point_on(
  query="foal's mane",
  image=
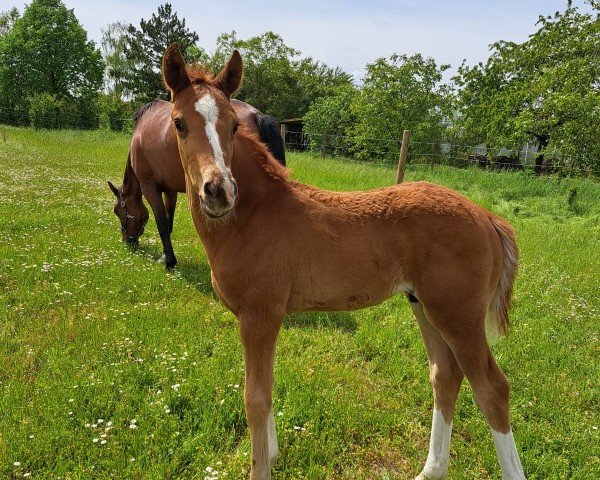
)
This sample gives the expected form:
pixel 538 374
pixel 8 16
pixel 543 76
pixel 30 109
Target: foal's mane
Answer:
pixel 199 74
pixel 261 154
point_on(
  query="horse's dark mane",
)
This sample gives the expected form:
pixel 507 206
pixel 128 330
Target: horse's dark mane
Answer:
pixel 262 155
pixel 142 110
pixel 268 131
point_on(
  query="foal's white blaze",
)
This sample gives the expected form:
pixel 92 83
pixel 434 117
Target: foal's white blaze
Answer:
pixel 207 107
pixel 508 456
pixel 436 465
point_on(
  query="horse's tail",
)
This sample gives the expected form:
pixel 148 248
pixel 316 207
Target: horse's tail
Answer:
pixel 497 322
pixel 268 131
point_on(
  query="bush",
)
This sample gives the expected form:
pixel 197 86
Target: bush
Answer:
pixel 44 111
pixel 85 112
pixel 47 111
pixel 328 120
pixel 402 93
pixel 115 113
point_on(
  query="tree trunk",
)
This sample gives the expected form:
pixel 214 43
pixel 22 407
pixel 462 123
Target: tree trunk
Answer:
pixel 542 144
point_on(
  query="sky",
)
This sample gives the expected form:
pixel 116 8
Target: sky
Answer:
pixel 348 34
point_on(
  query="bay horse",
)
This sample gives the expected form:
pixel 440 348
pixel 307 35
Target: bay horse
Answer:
pixel 154 169
pixel 277 246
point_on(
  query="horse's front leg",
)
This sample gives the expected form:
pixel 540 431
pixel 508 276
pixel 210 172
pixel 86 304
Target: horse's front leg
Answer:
pixel 259 335
pixel 170 204
pixel 154 197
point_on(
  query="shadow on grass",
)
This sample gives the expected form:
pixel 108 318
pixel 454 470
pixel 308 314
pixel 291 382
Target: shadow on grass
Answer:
pixel 198 274
pixel 195 273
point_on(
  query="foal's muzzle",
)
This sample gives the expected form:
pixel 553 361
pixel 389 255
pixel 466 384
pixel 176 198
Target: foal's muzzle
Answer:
pixel 218 195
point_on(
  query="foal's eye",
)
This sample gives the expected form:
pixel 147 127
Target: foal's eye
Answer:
pixel 178 125
pixel 235 127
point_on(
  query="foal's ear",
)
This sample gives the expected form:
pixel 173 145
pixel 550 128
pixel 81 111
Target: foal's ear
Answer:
pixel 229 79
pixel 114 189
pixel 174 73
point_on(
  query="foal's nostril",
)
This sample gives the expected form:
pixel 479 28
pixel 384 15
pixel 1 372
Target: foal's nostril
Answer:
pixel 210 190
pixel 235 188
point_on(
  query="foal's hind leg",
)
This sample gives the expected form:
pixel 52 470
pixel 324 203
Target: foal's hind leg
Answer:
pixel 465 334
pixel 154 197
pixel 445 376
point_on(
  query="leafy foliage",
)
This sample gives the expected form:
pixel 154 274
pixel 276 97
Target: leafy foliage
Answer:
pixel 114 38
pixel 329 119
pixel 144 49
pixel 274 81
pixel 402 93
pixel 545 89
pixel 7 20
pixel 44 110
pixel 115 113
pixel 46 51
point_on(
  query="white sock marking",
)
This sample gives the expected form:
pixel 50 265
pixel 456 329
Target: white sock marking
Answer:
pixel 436 465
pixel 207 107
pixel 508 456
pixel 272 434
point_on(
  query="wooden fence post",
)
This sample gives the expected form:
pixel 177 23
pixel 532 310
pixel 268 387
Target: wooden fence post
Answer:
pixel 283 131
pixel 403 156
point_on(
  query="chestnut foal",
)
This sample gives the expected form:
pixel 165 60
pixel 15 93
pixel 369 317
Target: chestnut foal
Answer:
pixel 289 247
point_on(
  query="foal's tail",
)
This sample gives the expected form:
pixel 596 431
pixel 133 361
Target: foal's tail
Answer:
pixel 268 131
pixel 497 322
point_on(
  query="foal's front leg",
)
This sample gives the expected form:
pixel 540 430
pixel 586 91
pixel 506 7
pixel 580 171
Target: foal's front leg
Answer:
pixel 259 335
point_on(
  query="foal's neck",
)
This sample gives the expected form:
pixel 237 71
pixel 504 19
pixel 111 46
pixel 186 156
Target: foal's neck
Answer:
pixel 262 186
pixel 259 176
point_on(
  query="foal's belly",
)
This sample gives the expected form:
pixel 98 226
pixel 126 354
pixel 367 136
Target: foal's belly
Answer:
pixel 342 294
pixel 353 301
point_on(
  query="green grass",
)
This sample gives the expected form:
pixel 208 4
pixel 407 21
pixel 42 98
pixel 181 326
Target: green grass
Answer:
pixel 93 333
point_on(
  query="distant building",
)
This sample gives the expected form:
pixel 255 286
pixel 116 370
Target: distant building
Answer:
pixel 293 135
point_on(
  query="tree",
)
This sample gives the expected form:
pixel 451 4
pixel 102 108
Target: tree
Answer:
pixel 145 47
pixel 316 80
pixel 268 74
pixel 114 37
pixel 7 20
pixel 275 81
pixel 47 51
pixel 544 90
pixel 400 93
pixel 329 119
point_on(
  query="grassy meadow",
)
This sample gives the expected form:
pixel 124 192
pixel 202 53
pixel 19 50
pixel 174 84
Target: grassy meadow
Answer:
pixel 112 368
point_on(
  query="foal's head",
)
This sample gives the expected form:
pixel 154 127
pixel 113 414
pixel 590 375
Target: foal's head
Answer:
pixel 205 124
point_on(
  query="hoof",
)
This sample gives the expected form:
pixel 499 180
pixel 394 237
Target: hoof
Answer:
pixel 423 476
pixel 170 263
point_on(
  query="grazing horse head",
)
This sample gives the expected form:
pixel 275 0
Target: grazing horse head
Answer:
pixel 205 123
pixel 132 214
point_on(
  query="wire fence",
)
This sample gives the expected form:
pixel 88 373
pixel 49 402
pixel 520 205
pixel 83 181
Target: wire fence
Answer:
pixel 386 151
